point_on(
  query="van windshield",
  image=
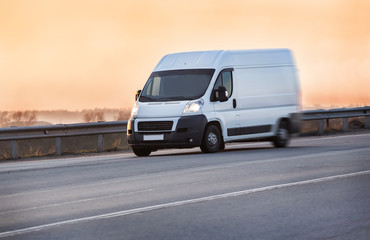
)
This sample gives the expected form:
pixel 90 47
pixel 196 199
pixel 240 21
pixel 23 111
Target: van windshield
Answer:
pixel 175 85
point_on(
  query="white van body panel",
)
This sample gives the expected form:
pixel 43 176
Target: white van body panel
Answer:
pixel 265 89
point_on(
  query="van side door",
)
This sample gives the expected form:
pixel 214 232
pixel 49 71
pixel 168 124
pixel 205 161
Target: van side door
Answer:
pixel 226 111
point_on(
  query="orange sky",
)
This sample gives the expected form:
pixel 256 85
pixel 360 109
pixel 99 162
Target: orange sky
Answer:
pixel 77 54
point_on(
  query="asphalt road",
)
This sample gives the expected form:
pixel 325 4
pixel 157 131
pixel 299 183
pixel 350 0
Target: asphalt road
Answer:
pixel 318 188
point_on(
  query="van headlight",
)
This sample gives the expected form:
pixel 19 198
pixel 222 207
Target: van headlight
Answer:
pixel 134 111
pixel 193 106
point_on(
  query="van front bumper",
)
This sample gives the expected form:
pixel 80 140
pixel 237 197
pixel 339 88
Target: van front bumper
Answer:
pixel 186 134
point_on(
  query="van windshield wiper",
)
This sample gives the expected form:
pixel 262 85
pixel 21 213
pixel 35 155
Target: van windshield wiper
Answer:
pixel 156 99
pixel 146 99
pixel 175 98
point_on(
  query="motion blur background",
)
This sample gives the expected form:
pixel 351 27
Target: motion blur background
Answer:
pixel 87 54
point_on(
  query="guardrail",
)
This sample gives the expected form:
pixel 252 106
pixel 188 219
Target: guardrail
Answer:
pixel 21 142
pixel 59 139
pixel 343 113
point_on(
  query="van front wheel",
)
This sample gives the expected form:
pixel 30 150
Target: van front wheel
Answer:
pixel 282 136
pixel 211 140
pixel 141 152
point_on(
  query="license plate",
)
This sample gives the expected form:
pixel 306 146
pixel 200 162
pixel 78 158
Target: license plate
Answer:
pixel 156 137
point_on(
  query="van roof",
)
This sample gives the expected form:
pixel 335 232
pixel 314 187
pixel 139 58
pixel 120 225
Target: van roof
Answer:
pixel 225 58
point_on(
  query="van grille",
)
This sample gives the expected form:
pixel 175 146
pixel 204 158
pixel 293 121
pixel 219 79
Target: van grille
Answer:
pixel 155 126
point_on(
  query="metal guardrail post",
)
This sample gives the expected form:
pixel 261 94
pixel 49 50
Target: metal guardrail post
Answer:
pixel 58 146
pixel 367 122
pixel 100 143
pixel 321 126
pixel 345 124
pixel 14 149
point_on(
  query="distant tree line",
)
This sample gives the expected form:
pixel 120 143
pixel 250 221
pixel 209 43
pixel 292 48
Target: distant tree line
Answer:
pixel 98 115
pixel 17 118
pixel 123 114
pixel 30 118
pixel 95 115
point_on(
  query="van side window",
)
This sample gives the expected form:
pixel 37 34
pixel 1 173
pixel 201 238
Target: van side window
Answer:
pixel 154 87
pixel 225 79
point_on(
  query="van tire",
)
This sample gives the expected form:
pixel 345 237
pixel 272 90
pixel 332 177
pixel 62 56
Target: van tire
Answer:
pixel 211 140
pixel 282 136
pixel 141 152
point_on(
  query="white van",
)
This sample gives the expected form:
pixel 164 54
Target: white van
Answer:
pixel 210 98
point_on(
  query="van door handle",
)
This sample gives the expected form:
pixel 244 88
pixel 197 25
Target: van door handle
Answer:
pixel 234 103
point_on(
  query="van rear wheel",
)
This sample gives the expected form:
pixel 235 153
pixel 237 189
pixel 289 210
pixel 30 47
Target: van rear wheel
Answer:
pixel 282 136
pixel 211 140
pixel 141 152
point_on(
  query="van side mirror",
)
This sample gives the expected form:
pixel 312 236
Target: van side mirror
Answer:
pixel 220 94
pixel 137 95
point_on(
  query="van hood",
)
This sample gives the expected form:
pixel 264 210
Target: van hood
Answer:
pixel 160 109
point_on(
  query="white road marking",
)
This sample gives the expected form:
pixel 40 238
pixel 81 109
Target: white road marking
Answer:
pixel 60 162
pixel 180 203
pixel 79 201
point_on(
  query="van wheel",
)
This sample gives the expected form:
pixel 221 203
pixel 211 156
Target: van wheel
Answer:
pixel 141 152
pixel 282 136
pixel 211 140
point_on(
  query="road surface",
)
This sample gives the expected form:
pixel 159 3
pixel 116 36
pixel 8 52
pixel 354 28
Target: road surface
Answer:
pixel 318 188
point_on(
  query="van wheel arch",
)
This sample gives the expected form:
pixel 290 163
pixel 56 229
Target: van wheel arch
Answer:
pixel 284 120
pixel 218 124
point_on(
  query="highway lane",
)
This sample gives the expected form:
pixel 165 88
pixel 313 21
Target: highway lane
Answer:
pixel 316 189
